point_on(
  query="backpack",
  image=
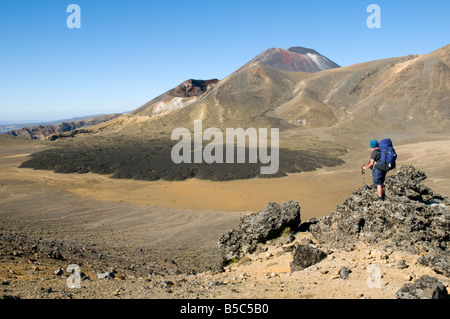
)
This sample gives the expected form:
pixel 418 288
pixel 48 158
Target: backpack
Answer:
pixel 388 156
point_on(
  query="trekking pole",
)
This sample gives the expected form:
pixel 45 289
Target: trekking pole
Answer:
pixel 363 173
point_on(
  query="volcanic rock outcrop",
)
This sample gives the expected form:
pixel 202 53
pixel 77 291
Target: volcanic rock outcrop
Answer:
pixel 305 256
pixel 180 97
pixel 193 87
pixel 412 218
pixel 258 228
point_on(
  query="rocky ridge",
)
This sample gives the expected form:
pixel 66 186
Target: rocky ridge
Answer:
pixel 412 219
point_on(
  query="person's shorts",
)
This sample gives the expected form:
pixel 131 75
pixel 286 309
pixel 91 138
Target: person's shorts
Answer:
pixel 378 176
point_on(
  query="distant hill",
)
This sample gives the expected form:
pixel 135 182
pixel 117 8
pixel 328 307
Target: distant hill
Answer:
pixel 42 131
pixel 6 126
pixel 179 97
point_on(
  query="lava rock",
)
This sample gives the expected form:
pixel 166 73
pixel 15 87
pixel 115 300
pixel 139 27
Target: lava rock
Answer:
pixel 257 228
pixel 343 272
pixel 105 275
pixel 401 264
pixel 306 256
pixel 55 254
pixel 404 219
pixel 425 287
pixel 58 272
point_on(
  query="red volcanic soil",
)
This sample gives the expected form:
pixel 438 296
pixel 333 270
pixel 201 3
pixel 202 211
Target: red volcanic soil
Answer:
pixel 194 87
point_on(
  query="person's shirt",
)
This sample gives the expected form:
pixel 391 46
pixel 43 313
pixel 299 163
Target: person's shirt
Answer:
pixel 375 155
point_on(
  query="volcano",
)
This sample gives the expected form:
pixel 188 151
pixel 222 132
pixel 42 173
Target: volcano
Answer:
pixel 296 59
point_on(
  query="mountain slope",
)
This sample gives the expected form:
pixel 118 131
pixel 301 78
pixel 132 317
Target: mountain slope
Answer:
pixel 295 59
pixel 392 95
pixel 411 92
pixel 244 98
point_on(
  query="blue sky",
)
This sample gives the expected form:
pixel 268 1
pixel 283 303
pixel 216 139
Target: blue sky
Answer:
pixel 128 52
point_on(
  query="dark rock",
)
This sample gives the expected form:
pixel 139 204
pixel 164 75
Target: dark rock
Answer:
pixel 288 248
pixel 306 241
pixel 343 272
pixel 401 264
pixel 306 256
pixel 271 221
pixel 230 245
pixel 257 228
pixel 425 287
pixel 215 284
pixel 151 160
pixel 304 227
pixel 56 255
pixel 105 275
pixel 287 239
pixel 84 277
pixel 261 249
pixel 58 272
pixel 438 262
pixel 47 290
pixel 165 284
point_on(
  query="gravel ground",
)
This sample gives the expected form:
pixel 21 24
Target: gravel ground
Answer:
pixel 33 268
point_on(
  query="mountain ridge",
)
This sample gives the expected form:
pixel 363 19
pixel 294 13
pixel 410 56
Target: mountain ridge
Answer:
pixel 398 93
pixel 297 59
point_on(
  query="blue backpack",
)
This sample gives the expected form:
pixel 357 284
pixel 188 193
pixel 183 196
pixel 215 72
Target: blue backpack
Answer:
pixel 388 156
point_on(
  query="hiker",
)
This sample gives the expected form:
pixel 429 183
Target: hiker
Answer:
pixel 378 175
